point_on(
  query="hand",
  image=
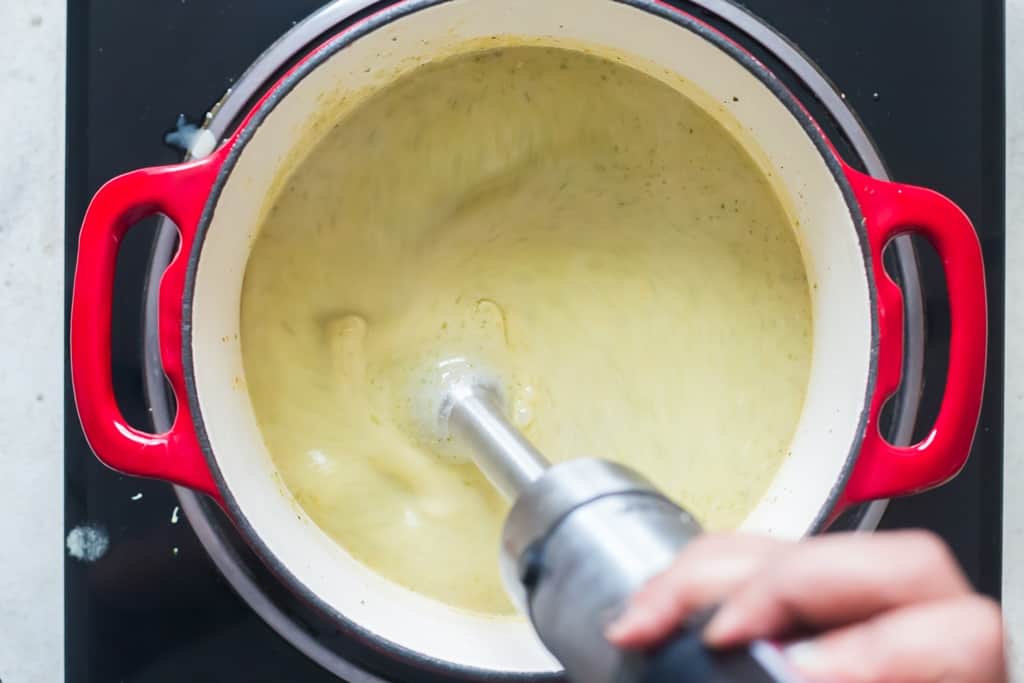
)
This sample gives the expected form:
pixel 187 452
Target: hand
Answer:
pixel 889 607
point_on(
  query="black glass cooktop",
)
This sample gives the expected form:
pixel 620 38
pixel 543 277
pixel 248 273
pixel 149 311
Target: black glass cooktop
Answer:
pixel 925 78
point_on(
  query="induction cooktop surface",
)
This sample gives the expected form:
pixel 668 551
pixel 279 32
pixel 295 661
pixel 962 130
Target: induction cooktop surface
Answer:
pixel 144 600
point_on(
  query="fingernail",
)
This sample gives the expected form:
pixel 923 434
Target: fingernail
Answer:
pixel 636 616
pixel 722 627
pixel 624 624
pixel 804 655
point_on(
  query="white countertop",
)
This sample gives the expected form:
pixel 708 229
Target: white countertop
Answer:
pixel 31 337
pixel 1013 463
pixel 32 54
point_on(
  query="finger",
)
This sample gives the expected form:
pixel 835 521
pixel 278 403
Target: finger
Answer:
pixel 953 640
pixel 709 568
pixel 837 580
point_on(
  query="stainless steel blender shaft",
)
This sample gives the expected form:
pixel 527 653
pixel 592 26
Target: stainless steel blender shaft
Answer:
pixel 580 539
pixel 500 450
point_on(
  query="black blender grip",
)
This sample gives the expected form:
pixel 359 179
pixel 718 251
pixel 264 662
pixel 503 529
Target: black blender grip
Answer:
pixel 685 659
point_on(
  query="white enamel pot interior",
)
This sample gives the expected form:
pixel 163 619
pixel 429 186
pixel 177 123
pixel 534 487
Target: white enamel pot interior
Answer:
pixel 371 54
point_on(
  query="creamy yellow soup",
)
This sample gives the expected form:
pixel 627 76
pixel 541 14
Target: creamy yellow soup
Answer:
pixel 584 230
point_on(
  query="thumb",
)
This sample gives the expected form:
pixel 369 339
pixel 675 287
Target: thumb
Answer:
pixel 958 640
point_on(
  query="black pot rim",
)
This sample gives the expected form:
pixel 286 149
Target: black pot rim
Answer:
pixel 391 13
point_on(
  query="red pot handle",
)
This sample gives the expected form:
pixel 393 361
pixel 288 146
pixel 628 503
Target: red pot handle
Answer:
pixel 889 209
pixel 180 193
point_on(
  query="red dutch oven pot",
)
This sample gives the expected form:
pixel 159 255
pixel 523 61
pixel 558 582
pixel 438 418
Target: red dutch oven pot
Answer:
pixel 844 220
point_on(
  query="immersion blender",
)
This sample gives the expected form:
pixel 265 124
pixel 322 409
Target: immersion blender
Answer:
pixel 582 536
